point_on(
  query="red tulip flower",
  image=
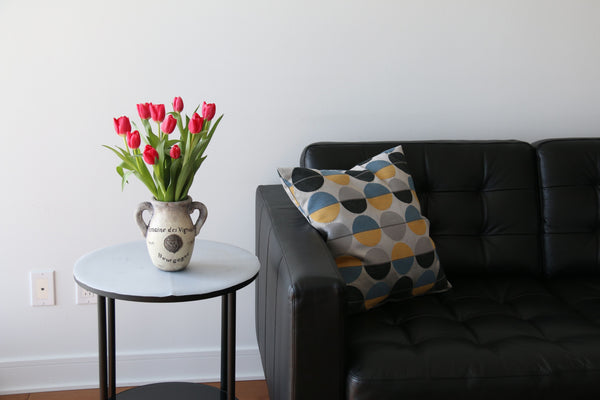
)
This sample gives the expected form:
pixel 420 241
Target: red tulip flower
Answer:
pixel 175 152
pixel 150 155
pixel 157 112
pixel 208 110
pixel 196 123
pixel 144 110
pixel 178 104
pixel 122 125
pixel 169 124
pixel 133 139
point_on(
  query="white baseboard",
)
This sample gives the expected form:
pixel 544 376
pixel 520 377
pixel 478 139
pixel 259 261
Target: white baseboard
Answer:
pixel 42 375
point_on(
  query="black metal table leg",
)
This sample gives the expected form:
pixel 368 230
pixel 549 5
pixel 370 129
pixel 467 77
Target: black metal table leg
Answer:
pixel 112 370
pixel 224 357
pixel 231 346
pixel 102 346
pixel 228 345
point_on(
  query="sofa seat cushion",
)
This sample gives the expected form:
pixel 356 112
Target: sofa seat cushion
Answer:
pixel 487 338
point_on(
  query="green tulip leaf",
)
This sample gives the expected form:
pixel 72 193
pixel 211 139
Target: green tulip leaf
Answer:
pixel 147 126
pixel 171 143
pixel 124 157
pixel 124 180
pixel 153 139
pixel 212 131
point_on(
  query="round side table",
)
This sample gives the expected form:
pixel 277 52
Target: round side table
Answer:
pixel 125 272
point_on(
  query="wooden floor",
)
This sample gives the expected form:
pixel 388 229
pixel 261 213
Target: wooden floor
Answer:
pixel 244 390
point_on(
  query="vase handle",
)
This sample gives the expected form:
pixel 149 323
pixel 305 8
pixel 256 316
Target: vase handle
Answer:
pixel 145 206
pixel 196 205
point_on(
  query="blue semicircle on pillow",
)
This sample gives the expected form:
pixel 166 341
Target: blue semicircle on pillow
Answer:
pixel 426 278
pixel 362 223
pixel 320 200
pixel 329 172
pixel 412 214
pixel 376 165
pixel 403 265
pixel 379 289
pixel 375 189
pixel 350 274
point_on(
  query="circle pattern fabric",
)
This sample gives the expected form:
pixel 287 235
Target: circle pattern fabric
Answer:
pixel 371 219
pixel 352 200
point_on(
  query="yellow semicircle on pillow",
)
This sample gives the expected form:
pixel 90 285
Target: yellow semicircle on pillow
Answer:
pixel 326 214
pixel 293 192
pixel 381 202
pixel 370 303
pixel 419 226
pixel 401 251
pixel 422 289
pixel 386 172
pixel 369 238
pixel 341 179
pixel 347 261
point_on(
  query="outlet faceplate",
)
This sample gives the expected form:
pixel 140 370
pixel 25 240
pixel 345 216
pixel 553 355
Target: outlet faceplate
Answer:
pixel 42 288
pixel 83 296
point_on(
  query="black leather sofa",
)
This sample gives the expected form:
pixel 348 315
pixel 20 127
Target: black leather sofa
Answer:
pixel 517 230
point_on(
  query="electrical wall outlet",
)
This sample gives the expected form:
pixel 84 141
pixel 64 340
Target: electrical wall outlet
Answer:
pixel 42 288
pixel 83 296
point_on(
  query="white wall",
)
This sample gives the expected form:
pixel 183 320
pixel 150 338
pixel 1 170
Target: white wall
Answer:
pixel 284 73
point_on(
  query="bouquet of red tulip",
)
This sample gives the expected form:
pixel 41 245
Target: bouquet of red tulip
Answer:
pixel 174 162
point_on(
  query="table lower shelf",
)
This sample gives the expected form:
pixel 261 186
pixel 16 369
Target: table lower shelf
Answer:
pixel 173 391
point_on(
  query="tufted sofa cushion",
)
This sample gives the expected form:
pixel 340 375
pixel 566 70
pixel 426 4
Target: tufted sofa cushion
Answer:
pixel 570 184
pixel 487 338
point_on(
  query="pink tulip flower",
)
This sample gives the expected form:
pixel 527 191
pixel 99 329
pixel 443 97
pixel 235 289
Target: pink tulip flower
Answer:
pixel 122 126
pixel 177 104
pixel 175 152
pixel 150 155
pixel 144 110
pixel 195 124
pixel 169 124
pixel 157 112
pixel 208 110
pixel 133 139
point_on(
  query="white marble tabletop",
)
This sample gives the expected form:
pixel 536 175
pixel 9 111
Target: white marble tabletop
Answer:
pixel 124 271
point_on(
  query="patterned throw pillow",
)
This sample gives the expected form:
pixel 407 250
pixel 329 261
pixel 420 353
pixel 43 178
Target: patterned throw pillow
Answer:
pixel 371 220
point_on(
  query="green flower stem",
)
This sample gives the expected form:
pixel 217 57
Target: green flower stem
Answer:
pixel 145 176
pixel 148 130
pixel 161 187
pixel 188 149
pixel 179 123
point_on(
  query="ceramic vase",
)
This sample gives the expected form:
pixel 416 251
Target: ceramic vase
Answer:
pixel 170 232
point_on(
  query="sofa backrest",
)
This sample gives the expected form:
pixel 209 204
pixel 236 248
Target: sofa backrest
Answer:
pixel 570 193
pixel 480 196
